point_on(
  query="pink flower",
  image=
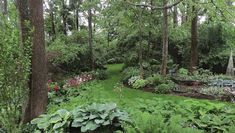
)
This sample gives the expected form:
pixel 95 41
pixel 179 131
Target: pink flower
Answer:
pixel 49 81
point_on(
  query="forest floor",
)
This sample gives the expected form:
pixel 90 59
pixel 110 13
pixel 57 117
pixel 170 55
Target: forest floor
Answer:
pixel 111 90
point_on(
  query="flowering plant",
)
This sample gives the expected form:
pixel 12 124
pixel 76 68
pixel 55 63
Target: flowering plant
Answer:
pixel 52 86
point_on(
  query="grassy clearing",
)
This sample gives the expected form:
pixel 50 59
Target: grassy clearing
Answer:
pixel 111 90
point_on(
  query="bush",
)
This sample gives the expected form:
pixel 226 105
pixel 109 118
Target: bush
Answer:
pixel 101 74
pixel 128 73
pixel 139 84
pixel 14 70
pixel 164 88
pixel 156 79
pixel 183 71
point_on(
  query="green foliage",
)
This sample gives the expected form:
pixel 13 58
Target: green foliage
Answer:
pixel 155 123
pixel 215 91
pixel 56 122
pixel 86 118
pixel 164 88
pixel 97 116
pixel 64 51
pixel 14 71
pixel 101 74
pixel 139 83
pixel 183 71
pixel 128 73
pixel 186 115
pixel 156 79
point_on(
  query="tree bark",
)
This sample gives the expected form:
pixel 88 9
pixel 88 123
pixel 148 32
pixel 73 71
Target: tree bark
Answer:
pixel 37 99
pixel 194 41
pixel 76 19
pixel 150 33
pixel 90 40
pixel 175 16
pixel 53 27
pixel 164 40
pixel 64 18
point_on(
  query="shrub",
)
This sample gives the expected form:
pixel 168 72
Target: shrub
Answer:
pixel 164 88
pixel 132 80
pixel 139 83
pixel 156 79
pixel 183 71
pixel 14 70
pixel 101 74
pixel 128 73
pixel 216 91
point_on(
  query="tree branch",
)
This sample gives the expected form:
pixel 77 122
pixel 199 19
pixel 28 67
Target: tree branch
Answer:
pixel 154 7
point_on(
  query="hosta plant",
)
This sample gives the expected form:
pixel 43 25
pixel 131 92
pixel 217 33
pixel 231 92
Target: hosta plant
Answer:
pixel 98 116
pixel 57 122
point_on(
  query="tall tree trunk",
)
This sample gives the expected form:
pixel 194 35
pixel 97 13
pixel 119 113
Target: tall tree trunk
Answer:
pixel 23 19
pixel 76 19
pixel 53 24
pixel 37 100
pixel 140 48
pixel 194 41
pixel 64 18
pixel 53 29
pixel 23 11
pixel 90 40
pixel 150 33
pixel 175 16
pixel 164 39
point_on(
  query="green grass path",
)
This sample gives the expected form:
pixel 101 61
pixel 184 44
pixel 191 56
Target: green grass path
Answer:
pixel 111 90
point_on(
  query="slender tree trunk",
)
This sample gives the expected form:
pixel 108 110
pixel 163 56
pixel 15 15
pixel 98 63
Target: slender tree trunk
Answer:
pixel 53 25
pixel 23 19
pixel 37 100
pixel 150 33
pixel 53 29
pixel 90 40
pixel 175 16
pixel 194 41
pixel 76 19
pixel 164 40
pixel 140 48
pixel 64 18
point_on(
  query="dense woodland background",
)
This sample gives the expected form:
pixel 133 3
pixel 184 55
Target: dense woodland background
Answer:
pixel 55 39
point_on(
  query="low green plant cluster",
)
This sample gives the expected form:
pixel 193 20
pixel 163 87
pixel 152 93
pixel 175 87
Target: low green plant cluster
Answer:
pixel 63 95
pixel 100 74
pixel 185 116
pixel 128 73
pixel 200 75
pixel 215 91
pixel 156 81
pixel 89 118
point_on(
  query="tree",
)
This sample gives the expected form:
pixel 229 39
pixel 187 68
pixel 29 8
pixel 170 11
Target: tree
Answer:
pixel 164 39
pixel 90 40
pixel 37 99
pixel 194 40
